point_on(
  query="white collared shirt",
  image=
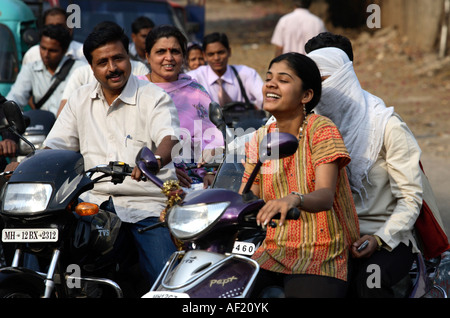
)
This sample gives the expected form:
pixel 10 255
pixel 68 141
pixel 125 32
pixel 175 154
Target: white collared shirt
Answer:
pixel 251 81
pixel 34 80
pixel 295 29
pixel 141 116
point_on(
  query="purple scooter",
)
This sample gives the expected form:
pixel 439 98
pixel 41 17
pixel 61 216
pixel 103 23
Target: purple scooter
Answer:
pixel 216 227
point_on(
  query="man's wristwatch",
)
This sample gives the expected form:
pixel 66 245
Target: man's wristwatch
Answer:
pixel 158 157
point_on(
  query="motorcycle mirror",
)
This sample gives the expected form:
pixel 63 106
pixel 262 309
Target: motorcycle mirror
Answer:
pixel 14 116
pixel 215 114
pixel 147 156
pixel 31 37
pixel 277 145
pixel 217 118
pixel 146 161
pixel 274 146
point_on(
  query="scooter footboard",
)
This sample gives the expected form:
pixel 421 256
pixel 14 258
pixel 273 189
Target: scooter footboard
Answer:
pixel 202 274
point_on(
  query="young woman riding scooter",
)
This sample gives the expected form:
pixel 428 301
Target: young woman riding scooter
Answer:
pixel 305 255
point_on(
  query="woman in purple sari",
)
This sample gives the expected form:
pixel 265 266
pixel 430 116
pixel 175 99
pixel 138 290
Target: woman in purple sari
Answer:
pixel 166 50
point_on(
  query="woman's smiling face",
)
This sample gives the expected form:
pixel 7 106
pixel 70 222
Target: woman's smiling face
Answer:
pixel 283 89
pixel 166 60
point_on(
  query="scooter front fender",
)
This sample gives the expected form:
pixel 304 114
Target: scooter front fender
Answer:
pixel 203 274
pixel 18 276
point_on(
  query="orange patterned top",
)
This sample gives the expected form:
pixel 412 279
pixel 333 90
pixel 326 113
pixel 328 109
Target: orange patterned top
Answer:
pixel 316 243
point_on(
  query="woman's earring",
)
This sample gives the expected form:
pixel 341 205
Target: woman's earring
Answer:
pixel 304 110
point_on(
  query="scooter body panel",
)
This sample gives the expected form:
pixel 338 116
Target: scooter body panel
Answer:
pixel 202 274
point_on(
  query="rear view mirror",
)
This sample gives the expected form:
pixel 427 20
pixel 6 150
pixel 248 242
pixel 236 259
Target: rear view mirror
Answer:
pixel 146 156
pixel 274 146
pixel 217 118
pixel 215 114
pixel 14 116
pixel 277 145
pixel 148 164
pixel 31 37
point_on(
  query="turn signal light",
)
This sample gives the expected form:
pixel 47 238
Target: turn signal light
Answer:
pixel 86 208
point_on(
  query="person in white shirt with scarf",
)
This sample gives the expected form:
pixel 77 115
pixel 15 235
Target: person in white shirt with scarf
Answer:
pixel 384 173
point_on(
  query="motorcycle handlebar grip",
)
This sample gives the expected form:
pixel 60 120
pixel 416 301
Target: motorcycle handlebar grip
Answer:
pixel 292 214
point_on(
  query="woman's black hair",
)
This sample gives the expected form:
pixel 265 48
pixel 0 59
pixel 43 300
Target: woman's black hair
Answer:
pixel 165 31
pixel 305 68
pixel 104 33
pixel 194 46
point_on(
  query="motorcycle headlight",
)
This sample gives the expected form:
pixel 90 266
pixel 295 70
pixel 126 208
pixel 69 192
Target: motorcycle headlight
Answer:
pixel 26 197
pixel 188 221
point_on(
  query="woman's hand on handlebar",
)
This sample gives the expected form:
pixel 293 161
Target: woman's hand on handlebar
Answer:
pixel 273 207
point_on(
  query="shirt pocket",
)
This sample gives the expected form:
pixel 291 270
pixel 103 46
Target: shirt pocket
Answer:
pixel 130 149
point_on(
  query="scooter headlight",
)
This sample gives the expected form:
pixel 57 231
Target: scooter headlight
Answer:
pixel 26 197
pixel 188 221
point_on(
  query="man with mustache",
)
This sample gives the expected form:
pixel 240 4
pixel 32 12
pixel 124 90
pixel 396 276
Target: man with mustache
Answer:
pixel 111 119
pixel 83 75
pixel 35 79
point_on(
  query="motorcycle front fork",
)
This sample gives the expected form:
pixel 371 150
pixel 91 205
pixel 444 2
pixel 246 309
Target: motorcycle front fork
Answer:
pixel 49 277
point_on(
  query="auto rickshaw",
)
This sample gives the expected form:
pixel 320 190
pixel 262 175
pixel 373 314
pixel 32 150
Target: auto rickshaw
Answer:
pixel 18 32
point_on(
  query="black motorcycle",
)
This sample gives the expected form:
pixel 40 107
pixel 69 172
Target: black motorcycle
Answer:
pixel 56 245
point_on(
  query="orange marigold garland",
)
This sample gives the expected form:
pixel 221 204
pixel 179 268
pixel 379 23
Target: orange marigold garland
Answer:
pixel 174 194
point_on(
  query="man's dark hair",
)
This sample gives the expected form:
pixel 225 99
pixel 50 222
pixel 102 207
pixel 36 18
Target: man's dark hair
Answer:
pixel 216 37
pixel 165 31
pixel 58 33
pixel 141 23
pixel 303 3
pixel 103 34
pixel 328 39
pixel 54 11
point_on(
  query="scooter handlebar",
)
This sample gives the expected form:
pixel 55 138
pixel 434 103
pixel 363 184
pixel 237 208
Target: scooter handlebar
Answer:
pixel 292 214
